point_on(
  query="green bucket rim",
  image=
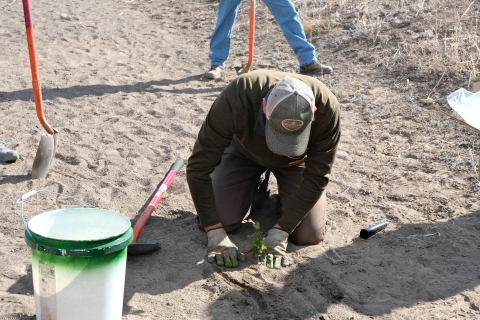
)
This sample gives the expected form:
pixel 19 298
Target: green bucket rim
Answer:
pixel 119 239
pixel 76 249
pixel 69 211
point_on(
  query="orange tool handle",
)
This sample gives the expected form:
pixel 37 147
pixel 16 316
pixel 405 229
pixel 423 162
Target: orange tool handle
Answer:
pixel 142 221
pixel 251 35
pixel 32 51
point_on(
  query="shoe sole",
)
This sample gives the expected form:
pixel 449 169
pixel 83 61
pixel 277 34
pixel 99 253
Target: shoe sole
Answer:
pixel 313 72
pixel 210 77
pixel 9 160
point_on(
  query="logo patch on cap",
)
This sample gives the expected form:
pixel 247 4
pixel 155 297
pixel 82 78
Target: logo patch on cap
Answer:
pixel 292 124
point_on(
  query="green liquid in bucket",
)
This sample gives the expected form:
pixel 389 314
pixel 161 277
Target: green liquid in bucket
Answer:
pixel 78 263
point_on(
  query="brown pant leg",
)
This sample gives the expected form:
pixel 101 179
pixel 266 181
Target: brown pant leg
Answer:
pixel 235 181
pixel 312 228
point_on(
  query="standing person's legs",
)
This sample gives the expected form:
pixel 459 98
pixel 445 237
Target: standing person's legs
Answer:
pixel 289 21
pixel 312 229
pixel 235 181
pixel 222 35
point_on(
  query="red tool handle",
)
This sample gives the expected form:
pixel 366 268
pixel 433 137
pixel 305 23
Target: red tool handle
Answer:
pixel 142 221
pixel 32 51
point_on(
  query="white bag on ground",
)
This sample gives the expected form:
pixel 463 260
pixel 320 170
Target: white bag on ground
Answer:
pixel 467 105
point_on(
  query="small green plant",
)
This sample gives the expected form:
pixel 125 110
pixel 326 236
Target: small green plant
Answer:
pixel 257 241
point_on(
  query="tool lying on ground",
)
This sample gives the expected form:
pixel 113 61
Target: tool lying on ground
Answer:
pixel 136 248
pixel 251 39
pixel 48 142
pixel 371 230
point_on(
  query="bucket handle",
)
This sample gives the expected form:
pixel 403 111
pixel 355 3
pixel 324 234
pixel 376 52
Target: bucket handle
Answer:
pixel 27 195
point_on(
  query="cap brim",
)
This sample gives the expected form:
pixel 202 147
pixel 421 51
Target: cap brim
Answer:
pixel 289 145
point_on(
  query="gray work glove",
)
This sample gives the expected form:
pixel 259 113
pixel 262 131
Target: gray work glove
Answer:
pixel 221 249
pixel 275 256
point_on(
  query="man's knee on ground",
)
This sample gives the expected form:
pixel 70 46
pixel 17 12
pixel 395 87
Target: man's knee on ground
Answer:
pixel 306 239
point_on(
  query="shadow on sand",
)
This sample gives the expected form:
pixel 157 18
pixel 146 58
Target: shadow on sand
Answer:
pixel 73 92
pixel 418 262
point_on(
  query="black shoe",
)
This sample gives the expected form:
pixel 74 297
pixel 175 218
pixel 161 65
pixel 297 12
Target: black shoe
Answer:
pixel 199 225
pixel 262 193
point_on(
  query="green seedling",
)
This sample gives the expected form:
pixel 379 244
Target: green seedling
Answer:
pixel 257 241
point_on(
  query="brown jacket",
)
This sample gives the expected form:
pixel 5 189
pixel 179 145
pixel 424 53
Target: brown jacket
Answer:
pixel 232 119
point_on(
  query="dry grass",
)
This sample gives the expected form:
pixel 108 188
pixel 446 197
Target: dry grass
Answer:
pixel 431 47
pixel 441 36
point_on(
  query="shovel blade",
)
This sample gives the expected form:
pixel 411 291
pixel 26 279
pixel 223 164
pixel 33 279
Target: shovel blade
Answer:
pixel 143 248
pixel 45 153
pixel 241 70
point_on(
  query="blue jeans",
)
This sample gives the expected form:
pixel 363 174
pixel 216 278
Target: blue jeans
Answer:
pixel 287 18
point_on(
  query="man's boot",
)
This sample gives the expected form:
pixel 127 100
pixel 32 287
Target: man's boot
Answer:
pixel 315 68
pixel 262 193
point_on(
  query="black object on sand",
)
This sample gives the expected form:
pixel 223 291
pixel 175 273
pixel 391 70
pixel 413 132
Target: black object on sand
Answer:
pixel 370 231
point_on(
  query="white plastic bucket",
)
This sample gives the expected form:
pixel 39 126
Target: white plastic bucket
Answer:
pixel 78 263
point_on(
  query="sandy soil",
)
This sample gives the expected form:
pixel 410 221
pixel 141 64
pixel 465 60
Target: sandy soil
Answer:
pixel 123 83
